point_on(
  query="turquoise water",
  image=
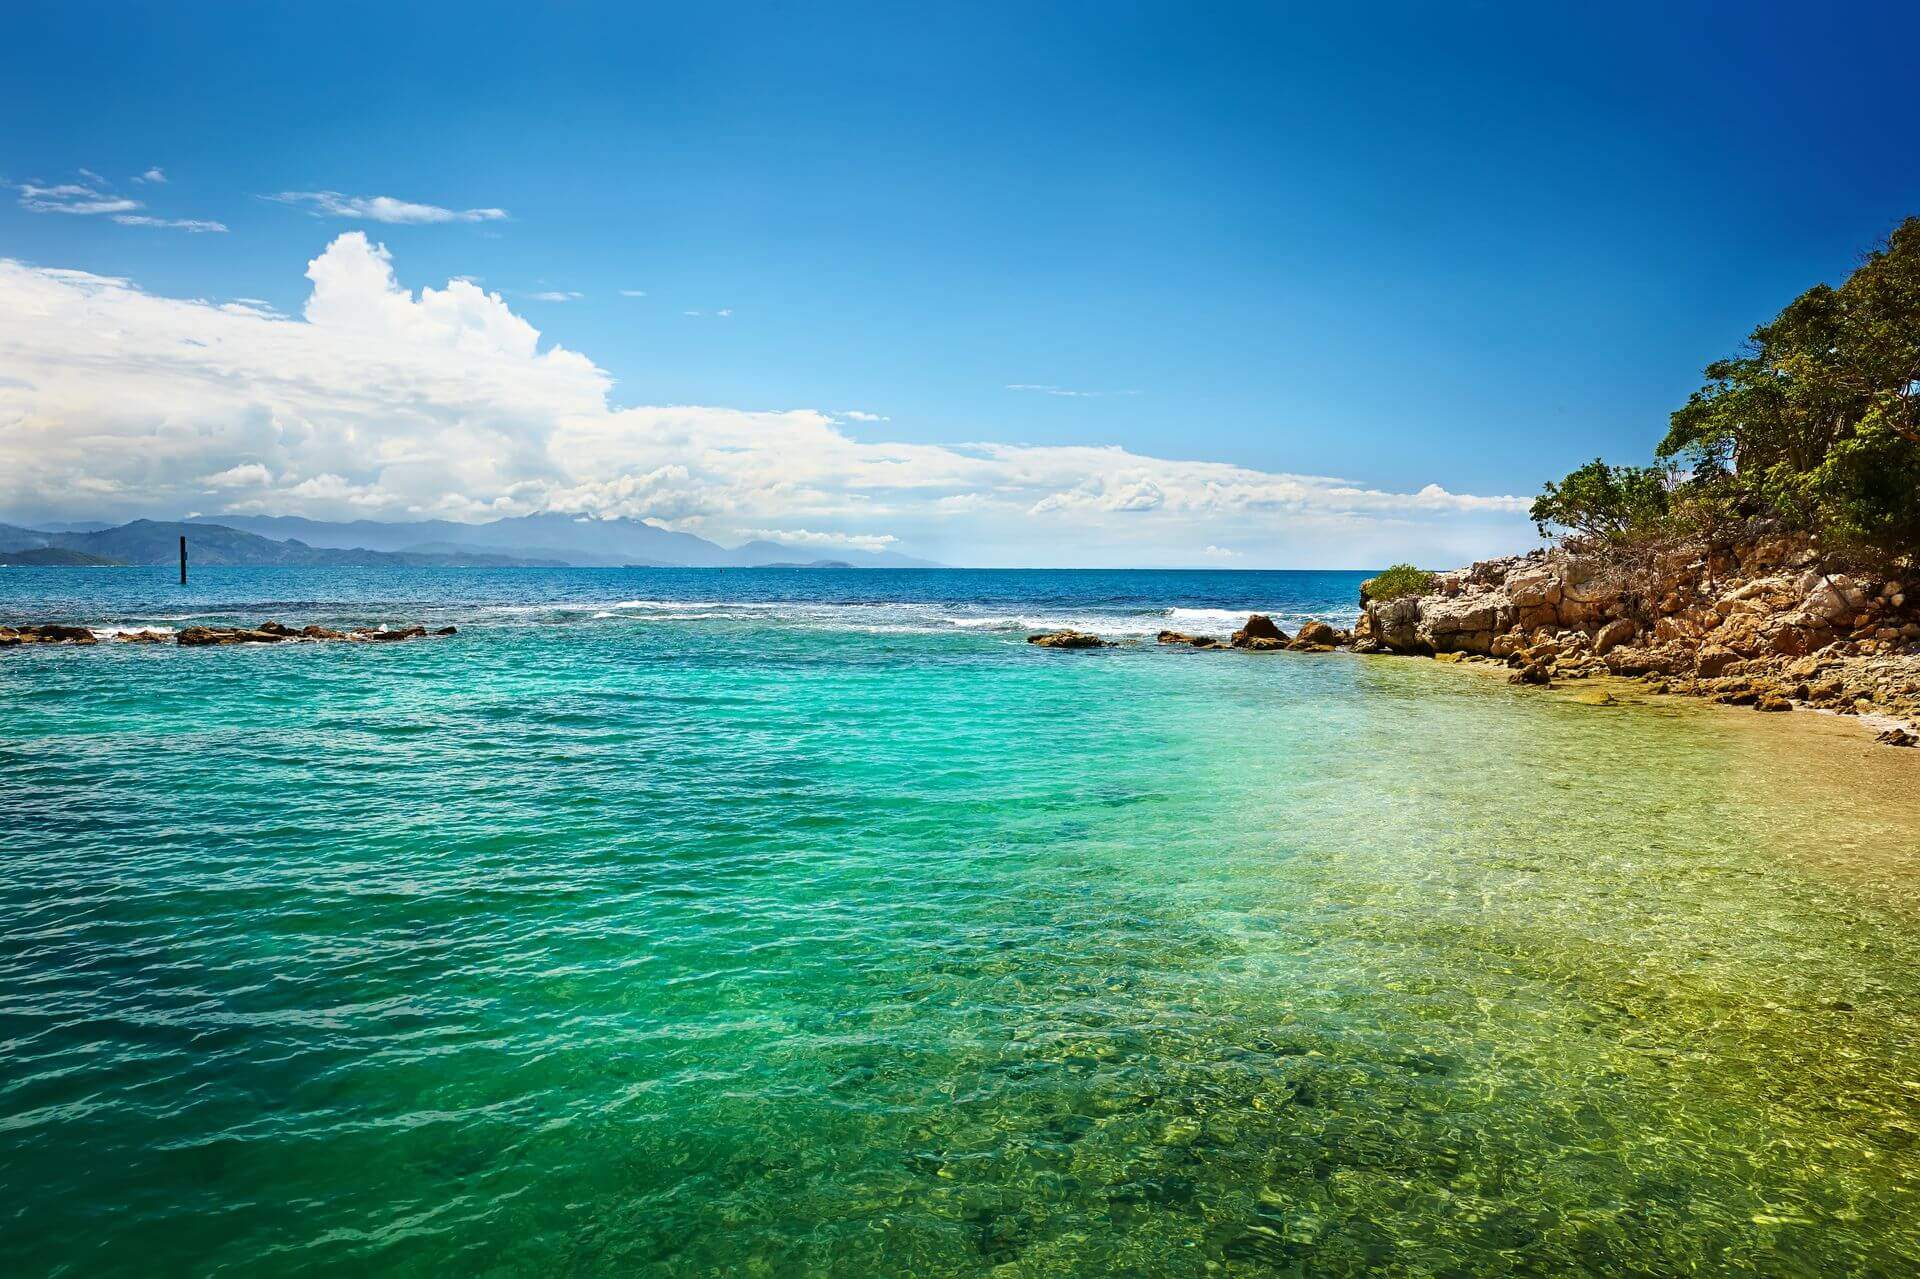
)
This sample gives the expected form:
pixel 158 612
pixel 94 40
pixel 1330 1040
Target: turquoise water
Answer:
pixel 786 924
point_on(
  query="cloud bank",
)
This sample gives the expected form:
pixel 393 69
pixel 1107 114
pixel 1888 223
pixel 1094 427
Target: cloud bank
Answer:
pixel 385 403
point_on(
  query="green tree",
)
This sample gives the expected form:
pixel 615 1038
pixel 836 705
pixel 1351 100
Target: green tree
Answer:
pixel 1605 503
pixel 1819 421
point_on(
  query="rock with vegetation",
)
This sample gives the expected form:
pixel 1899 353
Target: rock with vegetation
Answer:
pixel 1762 560
pixel 1398 582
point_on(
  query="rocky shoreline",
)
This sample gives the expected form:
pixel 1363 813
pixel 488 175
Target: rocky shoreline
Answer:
pixel 1772 626
pixel 213 636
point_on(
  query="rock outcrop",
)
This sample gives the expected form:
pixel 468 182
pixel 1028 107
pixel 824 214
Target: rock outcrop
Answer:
pixel 1259 635
pixel 1772 626
pixel 15 636
pixel 1068 639
pixel 212 636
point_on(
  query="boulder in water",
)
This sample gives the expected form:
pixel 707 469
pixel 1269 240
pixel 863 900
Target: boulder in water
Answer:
pixel 210 636
pixel 1259 634
pixel 13 636
pixel 1068 639
pixel 1317 636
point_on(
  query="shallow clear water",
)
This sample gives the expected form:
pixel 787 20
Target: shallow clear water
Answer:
pixel 777 924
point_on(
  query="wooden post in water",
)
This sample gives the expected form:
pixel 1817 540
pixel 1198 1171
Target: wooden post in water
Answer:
pixel 183 559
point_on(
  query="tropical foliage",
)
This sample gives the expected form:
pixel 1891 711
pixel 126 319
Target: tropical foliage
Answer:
pixel 1401 579
pixel 1816 425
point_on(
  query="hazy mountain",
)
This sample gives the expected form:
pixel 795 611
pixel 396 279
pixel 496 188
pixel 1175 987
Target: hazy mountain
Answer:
pixel 156 542
pixel 537 541
pixel 572 538
pixel 55 557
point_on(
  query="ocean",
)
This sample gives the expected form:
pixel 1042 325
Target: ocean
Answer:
pixel 809 922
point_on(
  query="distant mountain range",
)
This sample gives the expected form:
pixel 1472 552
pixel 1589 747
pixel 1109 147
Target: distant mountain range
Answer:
pixel 530 541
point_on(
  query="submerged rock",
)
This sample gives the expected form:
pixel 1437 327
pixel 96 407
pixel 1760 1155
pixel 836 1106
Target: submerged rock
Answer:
pixel 207 636
pixel 1068 639
pixel 1181 637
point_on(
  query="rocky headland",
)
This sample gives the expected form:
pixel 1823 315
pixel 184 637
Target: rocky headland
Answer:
pixel 1772 625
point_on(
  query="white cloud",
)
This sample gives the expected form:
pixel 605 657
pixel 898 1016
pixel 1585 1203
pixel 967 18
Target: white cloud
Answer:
pixel 1063 391
pixel 556 295
pixel 245 475
pixel 64 191
pixel 179 224
pixel 382 208
pixel 153 175
pixel 855 415
pixel 95 199
pixel 1219 553
pixel 807 537
pixel 384 402
pixel 633 293
pixel 70 197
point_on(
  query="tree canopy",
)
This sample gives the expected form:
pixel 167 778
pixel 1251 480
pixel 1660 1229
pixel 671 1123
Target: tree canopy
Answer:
pixel 1817 423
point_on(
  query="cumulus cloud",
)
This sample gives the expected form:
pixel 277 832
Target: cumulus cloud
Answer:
pixel 390 403
pixel 556 295
pixel 381 208
pixel 855 415
pixel 245 475
pixel 153 175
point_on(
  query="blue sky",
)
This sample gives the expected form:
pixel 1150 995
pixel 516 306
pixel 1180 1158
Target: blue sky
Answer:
pixel 1466 246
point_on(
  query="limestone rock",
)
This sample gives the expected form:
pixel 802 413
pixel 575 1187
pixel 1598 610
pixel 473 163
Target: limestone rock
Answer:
pixel 1258 627
pixel 1316 634
pixel 1613 635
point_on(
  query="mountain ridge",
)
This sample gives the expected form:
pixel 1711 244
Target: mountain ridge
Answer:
pixel 532 541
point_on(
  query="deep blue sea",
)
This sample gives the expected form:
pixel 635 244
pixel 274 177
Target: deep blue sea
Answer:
pixel 781 923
